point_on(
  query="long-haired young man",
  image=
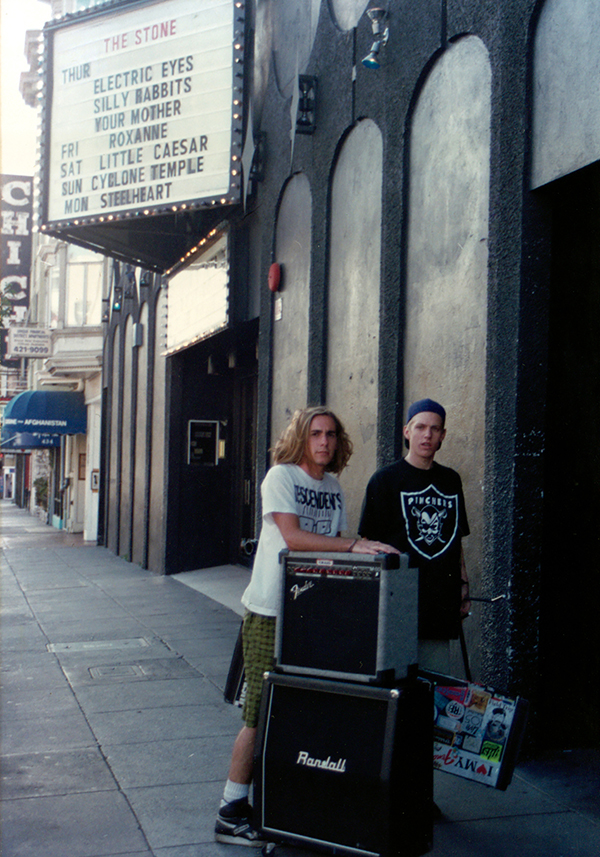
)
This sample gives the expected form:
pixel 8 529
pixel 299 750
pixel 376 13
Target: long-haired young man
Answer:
pixel 302 510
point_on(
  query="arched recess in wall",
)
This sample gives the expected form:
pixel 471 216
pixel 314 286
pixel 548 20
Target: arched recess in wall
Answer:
pixel 263 52
pixel 114 447
pixel 290 304
pixel 141 411
pixel 347 13
pixel 447 257
pixel 294 26
pixel 126 445
pixel 353 301
pixel 156 525
pixel 566 106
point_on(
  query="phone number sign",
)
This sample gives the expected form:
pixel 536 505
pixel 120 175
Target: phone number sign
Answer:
pixel 145 110
pixel 29 342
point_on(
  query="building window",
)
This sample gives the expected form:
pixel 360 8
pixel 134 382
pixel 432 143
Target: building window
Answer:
pixel 88 4
pixel 84 287
pixel 53 276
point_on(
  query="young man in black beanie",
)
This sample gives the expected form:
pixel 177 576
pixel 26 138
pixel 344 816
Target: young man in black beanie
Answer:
pixel 417 505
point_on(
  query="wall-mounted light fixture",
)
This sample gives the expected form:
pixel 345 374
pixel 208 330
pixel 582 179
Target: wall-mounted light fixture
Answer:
pixel 257 170
pixel 381 34
pixel 129 283
pixel 117 299
pixel 307 104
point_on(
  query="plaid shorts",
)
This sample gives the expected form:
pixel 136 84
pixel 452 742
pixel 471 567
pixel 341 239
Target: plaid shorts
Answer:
pixel 258 636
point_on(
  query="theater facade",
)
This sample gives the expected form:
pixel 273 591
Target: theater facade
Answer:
pixel 360 204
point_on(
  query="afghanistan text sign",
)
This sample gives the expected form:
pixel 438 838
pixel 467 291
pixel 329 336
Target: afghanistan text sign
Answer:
pixel 143 111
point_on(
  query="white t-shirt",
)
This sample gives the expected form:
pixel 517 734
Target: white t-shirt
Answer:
pixel 319 504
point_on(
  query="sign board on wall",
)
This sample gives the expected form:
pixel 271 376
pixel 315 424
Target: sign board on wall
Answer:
pixel 144 113
pixel 15 249
pixel 203 442
pixel 29 342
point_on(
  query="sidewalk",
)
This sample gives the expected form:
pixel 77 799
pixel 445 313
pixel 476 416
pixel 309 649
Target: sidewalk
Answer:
pixel 116 740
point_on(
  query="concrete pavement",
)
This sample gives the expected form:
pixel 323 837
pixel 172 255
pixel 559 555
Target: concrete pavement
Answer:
pixel 116 741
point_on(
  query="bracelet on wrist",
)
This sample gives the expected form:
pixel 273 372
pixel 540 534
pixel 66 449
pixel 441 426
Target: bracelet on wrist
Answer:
pixel 349 550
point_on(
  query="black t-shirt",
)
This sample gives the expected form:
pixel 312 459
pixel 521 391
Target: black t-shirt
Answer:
pixel 422 513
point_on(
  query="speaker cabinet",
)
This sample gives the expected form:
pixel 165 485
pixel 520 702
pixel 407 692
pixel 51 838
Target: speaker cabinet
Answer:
pixel 345 768
pixel 347 616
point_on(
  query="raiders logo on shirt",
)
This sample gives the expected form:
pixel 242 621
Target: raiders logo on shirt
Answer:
pixel 431 520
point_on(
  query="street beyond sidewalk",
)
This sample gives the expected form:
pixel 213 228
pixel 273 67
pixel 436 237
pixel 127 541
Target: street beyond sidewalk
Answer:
pixel 116 739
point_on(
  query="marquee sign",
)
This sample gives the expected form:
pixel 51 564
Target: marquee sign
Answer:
pixel 144 113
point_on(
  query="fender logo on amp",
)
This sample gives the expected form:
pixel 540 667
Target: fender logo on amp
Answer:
pixel 298 590
pixel 308 761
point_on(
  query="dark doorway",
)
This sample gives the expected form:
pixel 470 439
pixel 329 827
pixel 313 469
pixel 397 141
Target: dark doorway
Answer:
pixel 244 505
pixel 55 506
pixel 570 628
pixel 212 452
pixel 21 480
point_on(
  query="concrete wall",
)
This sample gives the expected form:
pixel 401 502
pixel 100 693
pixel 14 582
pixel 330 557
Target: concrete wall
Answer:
pixel 113 471
pixel 141 444
pixel 157 487
pixel 446 288
pixel 93 399
pixel 290 305
pixel 353 303
pixel 133 507
pixel 126 443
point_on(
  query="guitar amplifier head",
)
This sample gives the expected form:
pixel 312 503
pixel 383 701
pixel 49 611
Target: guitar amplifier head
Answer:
pixel 346 616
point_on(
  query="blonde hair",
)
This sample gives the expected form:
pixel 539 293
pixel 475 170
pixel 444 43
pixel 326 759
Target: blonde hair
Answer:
pixel 291 445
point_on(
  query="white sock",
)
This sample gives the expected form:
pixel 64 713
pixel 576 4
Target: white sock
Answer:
pixel 234 791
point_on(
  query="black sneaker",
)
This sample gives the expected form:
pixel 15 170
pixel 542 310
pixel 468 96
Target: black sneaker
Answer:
pixel 234 825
